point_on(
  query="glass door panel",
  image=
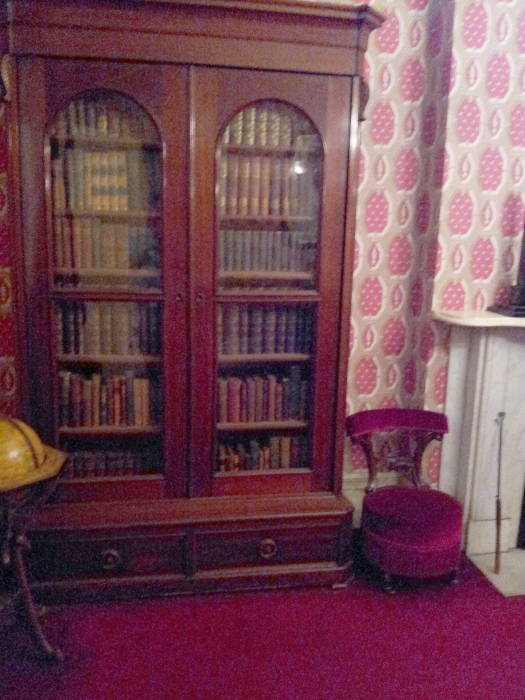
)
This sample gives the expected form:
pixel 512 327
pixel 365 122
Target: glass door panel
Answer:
pixel 269 183
pixel 268 193
pixel 105 174
pixel 105 217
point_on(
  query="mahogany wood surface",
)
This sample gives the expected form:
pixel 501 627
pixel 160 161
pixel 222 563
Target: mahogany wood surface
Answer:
pixel 305 544
pixel 346 270
pixel 191 66
pixel 300 36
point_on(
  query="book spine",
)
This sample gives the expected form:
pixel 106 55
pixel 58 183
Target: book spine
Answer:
pixel 250 400
pixel 255 343
pixel 243 203
pixel 285 129
pixel 135 190
pixel 255 186
pixel 107 246
pixel 291 329
pixel 92 345
pixel 275 188
pixel 231 329
pixel 72 119
pixel 234 399
pixel 95 180
pixel 273 128
pixel 58 187
pixel 264 194
pixel 105 181
pixel 122 236
pixel 280 331
pixel 105 328
pixel 233 184
pixel 244 329
pixel 222 186
pixel 71 195
pixel 294 396
pixel 222 399
pixel 96 243
pixel 249 125
pixel 270 331
pixel 112 158
pixel 120 328
pixel 285 452
pixel 236 129
pixel 122 181
pixel 261 126
pixel 95 399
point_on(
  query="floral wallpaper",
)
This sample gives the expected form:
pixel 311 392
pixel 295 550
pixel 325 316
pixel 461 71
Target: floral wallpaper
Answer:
pixel 483 206
pixel 441 200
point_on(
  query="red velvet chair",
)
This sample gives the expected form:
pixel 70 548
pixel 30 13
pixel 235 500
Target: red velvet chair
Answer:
pixel 407 531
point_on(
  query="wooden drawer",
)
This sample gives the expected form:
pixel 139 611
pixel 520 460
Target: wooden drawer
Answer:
pixel 264 546
pixel 77 556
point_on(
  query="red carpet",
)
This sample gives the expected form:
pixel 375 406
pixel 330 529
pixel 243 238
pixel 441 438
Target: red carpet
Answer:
pixel 432 643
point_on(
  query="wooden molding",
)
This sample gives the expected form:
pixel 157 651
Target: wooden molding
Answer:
pixel 347 10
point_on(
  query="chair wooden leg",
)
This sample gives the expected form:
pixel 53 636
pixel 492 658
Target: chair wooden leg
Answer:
pixel 454 577
pixel 388 583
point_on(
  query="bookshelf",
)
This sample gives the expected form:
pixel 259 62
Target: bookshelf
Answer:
pixel 105 179
pixel 268 191
pixel 186 212
pixel 103 218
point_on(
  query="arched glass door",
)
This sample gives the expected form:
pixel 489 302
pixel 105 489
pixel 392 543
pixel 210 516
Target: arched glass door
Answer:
pixel 268 195
pixel 104 218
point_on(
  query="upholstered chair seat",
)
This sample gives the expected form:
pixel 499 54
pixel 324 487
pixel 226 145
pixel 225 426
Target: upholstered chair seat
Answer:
pixel 411 530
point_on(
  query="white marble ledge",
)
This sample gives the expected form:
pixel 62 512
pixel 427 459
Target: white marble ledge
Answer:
pixel 478 319
pixel 510 580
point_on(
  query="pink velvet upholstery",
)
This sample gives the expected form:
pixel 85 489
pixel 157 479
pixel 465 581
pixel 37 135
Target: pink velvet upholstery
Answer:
pixel 407 531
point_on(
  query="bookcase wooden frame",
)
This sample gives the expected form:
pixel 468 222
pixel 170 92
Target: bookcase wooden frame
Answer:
pixel 192 522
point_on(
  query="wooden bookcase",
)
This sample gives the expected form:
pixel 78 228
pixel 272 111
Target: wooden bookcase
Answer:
pixel 183 180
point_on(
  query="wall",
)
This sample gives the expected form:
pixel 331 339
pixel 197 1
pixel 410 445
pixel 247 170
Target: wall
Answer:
pixel 483 200
pixel 441 194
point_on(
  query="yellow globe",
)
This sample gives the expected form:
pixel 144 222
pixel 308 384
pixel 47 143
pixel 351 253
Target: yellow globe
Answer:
pixel 24 459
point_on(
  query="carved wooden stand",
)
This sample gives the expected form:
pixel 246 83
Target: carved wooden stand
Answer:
pixel 15 510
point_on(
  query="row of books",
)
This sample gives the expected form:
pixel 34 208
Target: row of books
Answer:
pixel 91 243
pixel 105 180
pixel 270 125
pixel 104 116
pixel 264 186
pixel 263 250
pixel 83 464
pixel 255 329
pixel 265 453
pixel 108 328
pixel 100 400
pixel 263 397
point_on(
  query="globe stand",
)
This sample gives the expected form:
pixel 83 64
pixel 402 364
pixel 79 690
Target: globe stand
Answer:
pixel 16 507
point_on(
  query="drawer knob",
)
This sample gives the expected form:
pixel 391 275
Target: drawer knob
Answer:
pixel 267 548
pixel 111 559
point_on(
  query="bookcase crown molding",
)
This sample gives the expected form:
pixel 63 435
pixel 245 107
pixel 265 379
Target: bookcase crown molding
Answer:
pixel 303 36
